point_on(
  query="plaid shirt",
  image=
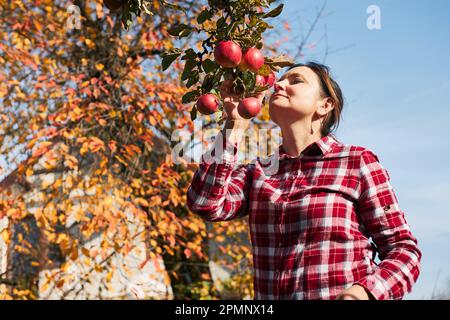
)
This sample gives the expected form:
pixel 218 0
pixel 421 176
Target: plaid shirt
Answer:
pixel 311 221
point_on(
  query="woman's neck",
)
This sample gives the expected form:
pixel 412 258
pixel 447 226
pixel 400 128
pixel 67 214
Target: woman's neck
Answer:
pixel 299 135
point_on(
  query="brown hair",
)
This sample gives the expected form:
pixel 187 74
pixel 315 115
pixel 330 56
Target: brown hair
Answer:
pixel 331 89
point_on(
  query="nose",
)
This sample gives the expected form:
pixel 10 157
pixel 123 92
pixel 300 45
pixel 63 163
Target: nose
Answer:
pixel 278 86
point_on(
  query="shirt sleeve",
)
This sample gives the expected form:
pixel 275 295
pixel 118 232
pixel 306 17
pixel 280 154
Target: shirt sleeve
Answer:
pixel 219 191
pixel 397 247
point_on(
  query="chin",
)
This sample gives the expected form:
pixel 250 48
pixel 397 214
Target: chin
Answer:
pixel 287 112
pixel 274 110
pixel 279 107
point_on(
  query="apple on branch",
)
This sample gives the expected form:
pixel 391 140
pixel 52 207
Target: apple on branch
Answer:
pixel 228 54
pixel 252 60
pixel 249 107
pixel 268 80
pixel 207 104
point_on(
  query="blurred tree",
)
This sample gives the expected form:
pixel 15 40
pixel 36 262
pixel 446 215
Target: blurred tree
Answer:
pixel 85 106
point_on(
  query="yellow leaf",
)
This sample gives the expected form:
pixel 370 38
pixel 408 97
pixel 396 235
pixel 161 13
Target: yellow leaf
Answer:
pixel 6 235
pixel 99 66
pixel 89 43
pixel 57 183
pixel 29 172
pixel 74 253
pixel 71 162
pixel 96 144
pixel 109 276
pixel 84 148
pixel 141 201
pixel 37 25
pixel 169 250
pixel 85 252
pixel 194 227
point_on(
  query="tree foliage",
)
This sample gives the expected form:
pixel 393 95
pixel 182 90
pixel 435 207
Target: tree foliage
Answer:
pixel 95 107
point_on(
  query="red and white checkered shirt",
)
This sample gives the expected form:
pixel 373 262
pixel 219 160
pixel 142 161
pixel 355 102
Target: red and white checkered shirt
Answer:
pixel 310 222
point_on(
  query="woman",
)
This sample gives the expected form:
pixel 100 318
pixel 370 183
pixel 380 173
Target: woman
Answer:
pixel 310 222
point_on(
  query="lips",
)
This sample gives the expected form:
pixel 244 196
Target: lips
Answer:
pixel 278 95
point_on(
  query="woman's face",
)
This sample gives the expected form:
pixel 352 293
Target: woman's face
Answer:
pixel 297 94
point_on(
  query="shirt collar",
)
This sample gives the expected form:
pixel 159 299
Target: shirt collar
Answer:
pixel 320 147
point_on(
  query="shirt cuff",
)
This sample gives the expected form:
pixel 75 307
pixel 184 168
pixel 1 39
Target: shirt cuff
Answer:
pixel 374 284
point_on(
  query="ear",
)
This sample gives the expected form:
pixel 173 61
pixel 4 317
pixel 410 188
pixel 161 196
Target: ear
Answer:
pixel 326 105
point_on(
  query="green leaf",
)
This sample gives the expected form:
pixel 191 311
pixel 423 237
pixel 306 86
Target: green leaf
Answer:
pixel 238 86
pixel 180 30
pixel 193 113
pixel 189 54
pixel 127 18
pixel 275 12
pixel 208 83
pixel 189 65
pixel 193 79
pixel 209 65
pixel 234 26
pixel 204 15
pixel 185 33
pixel 249 79
pixel 253 21
pixel 173 6
pixel 262 26
pixel 220 23
pixel 168 57
pixel 190 96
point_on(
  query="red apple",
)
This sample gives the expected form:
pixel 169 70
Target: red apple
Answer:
pixel 113 4
pixel 228 54
pixel 260 80
pixel 249 107
pixel 270 79
pixel 253 59
pixel 207 103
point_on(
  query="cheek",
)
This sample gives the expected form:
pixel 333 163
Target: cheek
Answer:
pixel 303 97
pixel 301 92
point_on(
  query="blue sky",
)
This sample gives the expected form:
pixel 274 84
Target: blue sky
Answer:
pixel 396 82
